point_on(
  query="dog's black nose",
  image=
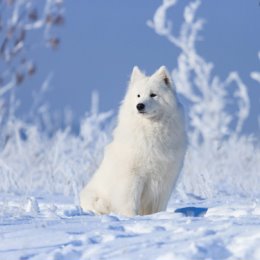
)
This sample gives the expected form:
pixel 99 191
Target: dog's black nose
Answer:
pixel 140 106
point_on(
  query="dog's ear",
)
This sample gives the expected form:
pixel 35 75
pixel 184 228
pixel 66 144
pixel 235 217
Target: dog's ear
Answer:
pixel 163 74
pixel 136 74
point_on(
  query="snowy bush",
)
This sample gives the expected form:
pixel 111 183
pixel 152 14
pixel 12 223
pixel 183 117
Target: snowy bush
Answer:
pixel 34 161
pixel 219 158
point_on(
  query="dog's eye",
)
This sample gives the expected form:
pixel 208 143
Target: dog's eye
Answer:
pixel 138 95
pixel 153 95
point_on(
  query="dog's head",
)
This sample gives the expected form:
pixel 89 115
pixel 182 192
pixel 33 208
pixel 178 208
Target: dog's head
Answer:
pixel 151 96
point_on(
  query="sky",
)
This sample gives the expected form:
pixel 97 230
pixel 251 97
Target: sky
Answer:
pixel 101 41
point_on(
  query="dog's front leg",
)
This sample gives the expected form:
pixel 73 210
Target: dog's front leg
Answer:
pixel 131 199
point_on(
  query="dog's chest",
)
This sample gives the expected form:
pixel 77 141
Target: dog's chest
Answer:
pixel 154 151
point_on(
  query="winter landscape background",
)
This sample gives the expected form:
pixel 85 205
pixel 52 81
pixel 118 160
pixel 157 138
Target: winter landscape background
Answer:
pixel 47 156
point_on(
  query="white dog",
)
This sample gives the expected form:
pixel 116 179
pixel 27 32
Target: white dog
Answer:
pixel 142 163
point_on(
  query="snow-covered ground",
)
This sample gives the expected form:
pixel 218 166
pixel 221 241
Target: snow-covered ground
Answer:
pixel 54 228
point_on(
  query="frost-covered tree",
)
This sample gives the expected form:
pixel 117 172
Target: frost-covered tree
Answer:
pixel 219 157
pixel 207 93
pixel 24 26
pixel 19 20
pixel 33 158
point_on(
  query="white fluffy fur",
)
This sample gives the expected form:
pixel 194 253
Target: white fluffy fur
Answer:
pixel 142 163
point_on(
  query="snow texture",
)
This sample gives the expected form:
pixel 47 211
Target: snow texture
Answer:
pixel 53 228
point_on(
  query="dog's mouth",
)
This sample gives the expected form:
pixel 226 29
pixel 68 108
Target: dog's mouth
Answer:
pixel 145 114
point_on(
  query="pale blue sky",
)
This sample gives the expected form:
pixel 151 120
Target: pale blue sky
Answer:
pixel 103 40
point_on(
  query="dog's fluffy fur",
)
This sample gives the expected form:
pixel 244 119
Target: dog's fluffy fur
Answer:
pixel 141 164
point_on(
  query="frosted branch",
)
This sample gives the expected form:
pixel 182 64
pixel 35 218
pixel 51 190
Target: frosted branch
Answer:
pixel 209 118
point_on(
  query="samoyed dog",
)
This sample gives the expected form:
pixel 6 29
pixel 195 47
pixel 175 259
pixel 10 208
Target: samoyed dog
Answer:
pixel 142 163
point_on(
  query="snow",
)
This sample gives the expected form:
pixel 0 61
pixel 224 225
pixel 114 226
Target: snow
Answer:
pixel 54 228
